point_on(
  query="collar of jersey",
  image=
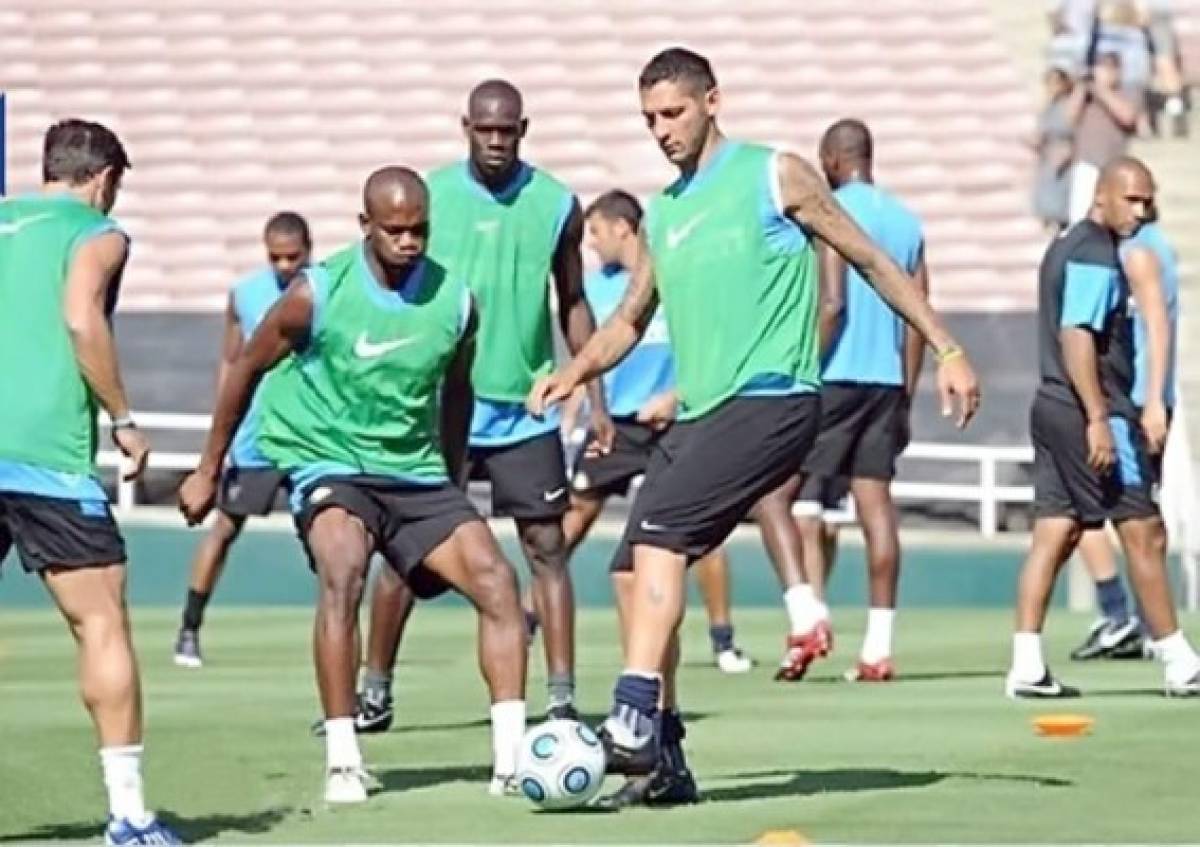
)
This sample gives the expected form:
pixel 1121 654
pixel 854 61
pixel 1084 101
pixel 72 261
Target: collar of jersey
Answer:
pixel 394 300
pixel 685 185
pixel 519 180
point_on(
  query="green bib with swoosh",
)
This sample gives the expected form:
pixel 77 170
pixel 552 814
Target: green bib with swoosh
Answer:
pixel 364 392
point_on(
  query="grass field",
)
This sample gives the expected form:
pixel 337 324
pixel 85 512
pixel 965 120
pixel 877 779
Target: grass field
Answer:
pixel 939 756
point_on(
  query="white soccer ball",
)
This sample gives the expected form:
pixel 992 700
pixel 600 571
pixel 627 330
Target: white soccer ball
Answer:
pixel 560 765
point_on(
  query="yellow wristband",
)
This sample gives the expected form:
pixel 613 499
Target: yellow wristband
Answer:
pixel 952 352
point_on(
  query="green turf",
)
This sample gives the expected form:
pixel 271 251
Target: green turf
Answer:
pixel 937 757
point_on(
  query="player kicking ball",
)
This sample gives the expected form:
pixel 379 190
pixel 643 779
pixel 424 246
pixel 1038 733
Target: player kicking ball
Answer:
pixel 368 415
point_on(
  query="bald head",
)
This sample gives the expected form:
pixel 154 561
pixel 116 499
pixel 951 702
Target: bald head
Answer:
pixel 1124 196
pixel 846 151
pixel 495 98
pixel 494 125
pixel 393 186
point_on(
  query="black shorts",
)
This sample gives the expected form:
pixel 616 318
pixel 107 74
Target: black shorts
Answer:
pixel 529 478
pixel 53 532
pixel 248 491
pixel 706 474
pixel 406 522
pixel 1064 485
pixel 822 494
pixel 864 428
pixel 610 475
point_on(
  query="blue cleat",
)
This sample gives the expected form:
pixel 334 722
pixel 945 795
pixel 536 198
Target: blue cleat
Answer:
pixel 124 832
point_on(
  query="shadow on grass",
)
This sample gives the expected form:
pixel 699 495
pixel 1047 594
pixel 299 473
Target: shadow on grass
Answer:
pixel 592 719
pixel 912 677
pixel 200 828
pixel 764 785
pixel 411 779
pixel 1124 692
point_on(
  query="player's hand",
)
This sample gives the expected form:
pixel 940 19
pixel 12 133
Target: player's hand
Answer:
pixel 1154 425
pixel 135 447
pixel 1102 454
pixel 659 411
pixel 1105 76
pixel 549 391
pixel 196 496
pixel 956 380
pixel 603 433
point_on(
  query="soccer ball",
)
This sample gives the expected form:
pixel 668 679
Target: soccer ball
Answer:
pixel 560 765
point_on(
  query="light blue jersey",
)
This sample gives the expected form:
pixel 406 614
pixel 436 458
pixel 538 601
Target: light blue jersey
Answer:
pixel 649 369
pixel 869 348
pixel 1152 237
pixel 253 297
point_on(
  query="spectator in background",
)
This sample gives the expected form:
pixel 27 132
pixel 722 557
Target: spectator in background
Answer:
pixel 1157 18
pixel 1107 119
pixel 1073 27
pixel 1054 144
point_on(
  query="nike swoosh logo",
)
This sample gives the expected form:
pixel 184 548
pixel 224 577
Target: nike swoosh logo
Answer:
pixel 675 237
pixel 652 527
pixel 13 227
pixel 365 349
pixel 550 496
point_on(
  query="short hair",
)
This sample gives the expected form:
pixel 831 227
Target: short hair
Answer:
pixel 617 205
pixel 288 223
pixel 76 150
pixel 851 137
pixel 678 64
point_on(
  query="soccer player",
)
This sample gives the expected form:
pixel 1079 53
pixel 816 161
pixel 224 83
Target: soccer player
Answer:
pixel 729 249
pixel 249 483
pixel 641 399
pixel 507 227
pixel 869 375
pixel 368 416
pixel 1150 265
pixel 61 259
pixel 1091 460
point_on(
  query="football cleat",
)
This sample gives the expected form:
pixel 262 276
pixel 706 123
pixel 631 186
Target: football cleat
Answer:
pixel 369 716
pixel 1107 639
pixel 1183 688
pixel 504 785
pixel 881 671
pixel 663 787
pixel 344 786
pixel 803 650
pixel 120 833
pixel 187 649
pixel 629 761
pixel 733 661
pixel 1046 688
pixel 562 712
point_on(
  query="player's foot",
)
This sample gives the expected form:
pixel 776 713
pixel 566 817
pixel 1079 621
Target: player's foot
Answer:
pixel 562 712
pixel 663 787
pixel 881 671
pixel 187 649
pixel 374 714
pixel 629 761
pixel 1106 636
pixel 1183 688
pixel 504 785
pixel 125 832
pixel 803 650
pixel 345 786
pixel 1046 688
pixel 734 660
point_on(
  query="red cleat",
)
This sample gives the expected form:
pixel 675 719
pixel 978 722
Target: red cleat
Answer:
pixel 803 650
pixel 881 671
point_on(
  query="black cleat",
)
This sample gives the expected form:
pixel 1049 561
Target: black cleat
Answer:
pixel 562 712
pixel 664 787
pixel 1046 688
pixel 637 761
pixel 1109 640
pixel 370 716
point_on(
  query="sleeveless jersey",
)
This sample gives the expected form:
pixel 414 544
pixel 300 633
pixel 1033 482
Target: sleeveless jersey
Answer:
pixel 253 296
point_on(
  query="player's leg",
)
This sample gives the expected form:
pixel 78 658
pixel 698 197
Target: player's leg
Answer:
pixel 712 577
pixel 207 564
pixel 1116 631
pixel 585 508
pixel 471 561
pixel 877 517
pixel 391 604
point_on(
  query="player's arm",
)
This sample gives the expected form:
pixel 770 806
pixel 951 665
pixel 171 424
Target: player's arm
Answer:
pixel 808 202
pixel 94 273
pixel 575 315
pixel 610 343
pixel 832 309
pixel 1085 310
pixel 1144 273
pixel 285 328
pixel 914 345
pixel 457 401
pixel 231 343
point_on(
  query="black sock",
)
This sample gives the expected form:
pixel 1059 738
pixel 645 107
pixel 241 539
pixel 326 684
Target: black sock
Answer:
pixel 722 637
pixel 193 612
pixel 1111 595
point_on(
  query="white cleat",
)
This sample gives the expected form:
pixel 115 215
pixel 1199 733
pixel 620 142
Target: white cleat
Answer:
pixel 1184 687
pixel 344 786
pixel 504 786
pixel 734 660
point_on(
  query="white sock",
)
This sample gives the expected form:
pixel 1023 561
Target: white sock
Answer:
pixel 877 643
pixel 341 744
pixel 122 768
pixel 804 610
pixel 1180 661
pixel 508 727
pixel 1028 664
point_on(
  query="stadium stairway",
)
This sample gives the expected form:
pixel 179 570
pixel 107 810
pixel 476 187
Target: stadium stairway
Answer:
pixel 234 109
